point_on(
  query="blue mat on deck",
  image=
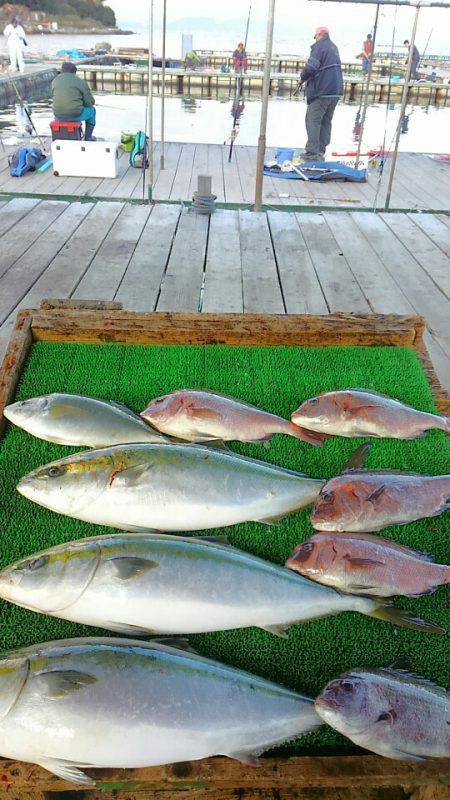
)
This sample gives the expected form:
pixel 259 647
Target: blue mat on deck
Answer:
pixel 315 170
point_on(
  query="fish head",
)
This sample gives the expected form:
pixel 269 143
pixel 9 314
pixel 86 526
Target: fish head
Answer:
pixel 70 484
pixel 356 705
pixel 318 413
pixel 311 558
pixel 28 414
pixel 163 409
pixel 52 580
pixel 53 417
pixel 339 504
pixel 14 670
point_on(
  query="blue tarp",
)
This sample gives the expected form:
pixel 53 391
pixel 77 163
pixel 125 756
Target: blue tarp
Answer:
pixel 315 170
pixel 71 53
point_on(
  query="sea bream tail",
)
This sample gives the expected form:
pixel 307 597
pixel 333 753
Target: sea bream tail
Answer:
pixel 385 610
pixel 311 437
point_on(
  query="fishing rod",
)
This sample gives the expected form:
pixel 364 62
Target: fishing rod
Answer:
pixel 239 91
pixel 25 109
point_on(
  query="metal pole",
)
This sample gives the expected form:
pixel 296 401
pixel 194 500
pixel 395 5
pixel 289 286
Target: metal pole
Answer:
pixel 150 104
pixel 402 109
pixel 163 90
pixel 367 87
pixel 264 109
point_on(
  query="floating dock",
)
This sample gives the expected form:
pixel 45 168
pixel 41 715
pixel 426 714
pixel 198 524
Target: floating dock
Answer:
pixel 215 84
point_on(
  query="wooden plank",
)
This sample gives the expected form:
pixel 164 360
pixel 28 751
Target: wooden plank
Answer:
pixel 14 245
pixel 68 267
pixel 14 211
pixel 140 287
pixel 182 180
pixel 246 167
pixel 16 353
pixel 435 229
pixel 341 289
pixel 441 363
pixel 132 179
pixel 183 280
pixel 232 329
pixel 223 277
pixel 420 290
pixel 164 182
pixel 106 270
pixel 380 290
pixel 302 291
pixel 223 773
pixel 29 267
pixel 423 250
pixel 49 304
pixel 260 279
pixel 233 186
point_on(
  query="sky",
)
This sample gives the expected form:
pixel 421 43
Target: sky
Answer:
pixel 345 21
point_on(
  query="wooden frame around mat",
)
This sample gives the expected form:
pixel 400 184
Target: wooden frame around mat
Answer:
pixel 101 322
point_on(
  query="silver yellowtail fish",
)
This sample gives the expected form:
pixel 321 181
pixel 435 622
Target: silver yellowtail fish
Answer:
pixel 111 703
pixel 199 416
pixel 369 500
pixel 140 583
pixel 389 712
pixel 168 488
pixel 80 421
pixel 355 412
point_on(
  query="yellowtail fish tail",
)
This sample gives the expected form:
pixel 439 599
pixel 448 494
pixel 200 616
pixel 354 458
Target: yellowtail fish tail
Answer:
pixel 389 613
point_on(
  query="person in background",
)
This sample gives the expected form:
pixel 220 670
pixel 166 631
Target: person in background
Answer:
pixel 192 60
pixel 73 100
pixel 16 38
pixel 324 86
pixel 240 59
pixel 415 60
pixel 366 54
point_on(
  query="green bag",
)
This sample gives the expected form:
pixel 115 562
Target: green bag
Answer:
pixel 127 141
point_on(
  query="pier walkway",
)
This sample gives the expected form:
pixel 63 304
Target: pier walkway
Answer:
pixel 420 182
pixel 166 258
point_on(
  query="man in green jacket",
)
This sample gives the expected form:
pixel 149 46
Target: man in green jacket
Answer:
pixel 73 100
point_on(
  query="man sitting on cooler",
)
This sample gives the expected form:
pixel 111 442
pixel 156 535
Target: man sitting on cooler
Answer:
pixel 73 100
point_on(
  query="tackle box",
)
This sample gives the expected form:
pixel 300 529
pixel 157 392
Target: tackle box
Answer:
pixel 72 131
pixel 85 159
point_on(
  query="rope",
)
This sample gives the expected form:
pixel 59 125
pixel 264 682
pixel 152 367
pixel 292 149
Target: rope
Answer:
pixel 204 203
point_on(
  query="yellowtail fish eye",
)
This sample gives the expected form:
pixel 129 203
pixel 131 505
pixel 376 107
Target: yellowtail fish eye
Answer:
pixel 55 472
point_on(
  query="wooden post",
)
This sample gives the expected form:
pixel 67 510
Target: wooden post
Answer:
pixel 163 90
pixel 264 109
pixel 402 109
pixel 150 104
pixel 204 185
pixel 366 92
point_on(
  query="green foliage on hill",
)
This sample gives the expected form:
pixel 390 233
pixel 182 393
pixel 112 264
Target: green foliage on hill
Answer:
pixel 91 9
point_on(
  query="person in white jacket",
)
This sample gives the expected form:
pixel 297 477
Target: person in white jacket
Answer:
pixel 16 37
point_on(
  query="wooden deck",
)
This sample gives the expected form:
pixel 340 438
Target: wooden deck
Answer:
pixel 166 258
pixel 420 182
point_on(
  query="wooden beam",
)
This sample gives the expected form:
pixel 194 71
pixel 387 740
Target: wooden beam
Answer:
pixel 232 329
pixel 18 348
pixel 223 773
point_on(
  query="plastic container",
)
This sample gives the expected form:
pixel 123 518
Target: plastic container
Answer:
pixel 85 159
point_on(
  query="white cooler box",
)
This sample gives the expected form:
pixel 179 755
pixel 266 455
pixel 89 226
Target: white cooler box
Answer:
pixel 85 159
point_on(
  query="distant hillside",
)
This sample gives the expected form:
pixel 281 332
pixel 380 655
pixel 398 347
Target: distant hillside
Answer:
pixel 94 10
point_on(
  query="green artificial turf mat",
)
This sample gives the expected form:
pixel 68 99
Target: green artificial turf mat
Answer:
pixel 277 379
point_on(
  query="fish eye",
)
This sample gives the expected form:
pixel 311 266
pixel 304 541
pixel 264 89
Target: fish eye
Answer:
pixel 347 686
pixel 36 563
pixel 55 472
pixel 159 400
pixel 387 716
pixel 313 401
pixel 327 497
pixel 303 551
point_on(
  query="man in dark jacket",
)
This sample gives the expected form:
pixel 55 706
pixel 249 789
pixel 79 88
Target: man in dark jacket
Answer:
pixel 73 100
pixel 415 61
pixel 324 87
